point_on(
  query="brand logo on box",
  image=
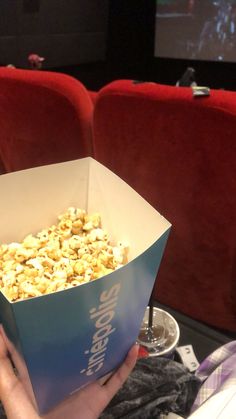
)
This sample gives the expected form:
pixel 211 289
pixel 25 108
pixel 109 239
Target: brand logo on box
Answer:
pixel 102 316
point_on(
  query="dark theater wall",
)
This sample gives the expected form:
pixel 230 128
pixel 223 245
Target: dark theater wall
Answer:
pixel 131 38
pixel 97 41
pixel 65 32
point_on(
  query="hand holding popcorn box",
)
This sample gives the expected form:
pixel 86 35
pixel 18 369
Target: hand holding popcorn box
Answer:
pixel 74 289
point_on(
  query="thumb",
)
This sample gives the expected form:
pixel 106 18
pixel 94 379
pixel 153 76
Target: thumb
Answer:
pixel 15 400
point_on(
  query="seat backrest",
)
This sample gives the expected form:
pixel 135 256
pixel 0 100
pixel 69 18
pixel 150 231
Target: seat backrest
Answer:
pixel 179 153
pixel 45 118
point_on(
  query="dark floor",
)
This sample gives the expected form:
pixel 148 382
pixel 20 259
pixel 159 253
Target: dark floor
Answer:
pixel 96 75
pixel 164 71
pixel 93 76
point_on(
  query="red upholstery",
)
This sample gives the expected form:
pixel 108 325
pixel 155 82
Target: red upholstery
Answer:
pixel 45 118
pixel 179 152
pixel 93 96
pixel 2 168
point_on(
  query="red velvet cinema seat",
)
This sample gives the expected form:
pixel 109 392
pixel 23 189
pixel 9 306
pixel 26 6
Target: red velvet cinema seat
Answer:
pixel 45 118
pixel 179 153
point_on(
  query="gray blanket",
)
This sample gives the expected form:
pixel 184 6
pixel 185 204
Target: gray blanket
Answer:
pixel 156 385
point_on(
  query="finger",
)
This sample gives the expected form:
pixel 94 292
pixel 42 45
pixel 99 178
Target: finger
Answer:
pixel 8 378
pixel 121 375
pixel 3 344
pixel 14 398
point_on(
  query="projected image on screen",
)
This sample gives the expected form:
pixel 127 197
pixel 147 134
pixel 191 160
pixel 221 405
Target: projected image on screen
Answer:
pixel 196 29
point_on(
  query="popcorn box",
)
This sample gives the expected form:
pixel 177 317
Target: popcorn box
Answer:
pixel 64 340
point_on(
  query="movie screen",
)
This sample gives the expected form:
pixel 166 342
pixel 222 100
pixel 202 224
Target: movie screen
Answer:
pixel 196 29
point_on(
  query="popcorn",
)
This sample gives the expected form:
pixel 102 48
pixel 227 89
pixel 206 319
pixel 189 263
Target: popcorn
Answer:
pixel 72 252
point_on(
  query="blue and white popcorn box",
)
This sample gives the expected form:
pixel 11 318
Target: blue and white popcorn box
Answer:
pixel 62 341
